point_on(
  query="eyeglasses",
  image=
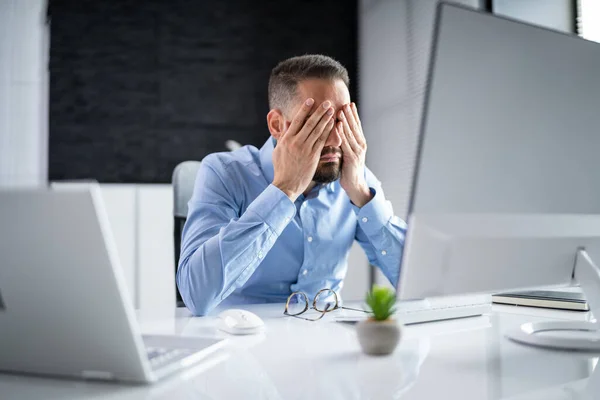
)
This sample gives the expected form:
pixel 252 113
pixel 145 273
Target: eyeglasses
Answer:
pixel 326 300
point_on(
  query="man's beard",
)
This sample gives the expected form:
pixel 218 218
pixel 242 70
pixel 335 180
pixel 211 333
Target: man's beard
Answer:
pixel 329 171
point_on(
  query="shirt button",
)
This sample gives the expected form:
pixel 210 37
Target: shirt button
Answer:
pixel 383 252
pixel 305 272
pixel 309 239
pixel 365 219
pixel 260 255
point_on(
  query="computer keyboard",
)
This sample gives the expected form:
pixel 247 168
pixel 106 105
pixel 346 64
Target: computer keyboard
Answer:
pixel 440 313
pixel 430 310
pixel 160 356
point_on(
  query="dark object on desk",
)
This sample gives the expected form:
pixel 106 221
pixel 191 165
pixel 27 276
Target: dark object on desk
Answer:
pixel 561 300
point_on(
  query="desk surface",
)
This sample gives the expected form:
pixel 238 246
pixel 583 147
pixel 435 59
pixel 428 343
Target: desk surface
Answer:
pixel 296 359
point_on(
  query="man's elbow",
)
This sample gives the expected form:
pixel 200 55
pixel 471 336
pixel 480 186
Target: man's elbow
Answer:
pixel 193 296
pixel 198 310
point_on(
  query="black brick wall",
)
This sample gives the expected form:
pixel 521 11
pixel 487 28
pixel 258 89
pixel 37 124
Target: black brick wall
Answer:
pixel 138 86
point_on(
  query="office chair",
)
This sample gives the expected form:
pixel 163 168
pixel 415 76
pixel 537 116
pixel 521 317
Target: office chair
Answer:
pixel 184 176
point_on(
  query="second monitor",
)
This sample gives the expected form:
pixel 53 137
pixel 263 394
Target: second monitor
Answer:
pixel 506 192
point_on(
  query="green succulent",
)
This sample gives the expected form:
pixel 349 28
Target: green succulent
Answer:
pixel 380 301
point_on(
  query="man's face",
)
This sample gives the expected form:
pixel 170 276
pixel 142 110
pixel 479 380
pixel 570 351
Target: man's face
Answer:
pixel 330 164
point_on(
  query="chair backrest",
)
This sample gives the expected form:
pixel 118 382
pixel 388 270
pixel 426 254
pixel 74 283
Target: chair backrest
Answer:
pixel 184 177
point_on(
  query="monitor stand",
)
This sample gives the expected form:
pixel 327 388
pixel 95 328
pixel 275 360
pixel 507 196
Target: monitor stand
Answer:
pixel 569 335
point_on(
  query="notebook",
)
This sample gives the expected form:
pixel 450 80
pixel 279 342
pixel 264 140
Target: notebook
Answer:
pixel 558 299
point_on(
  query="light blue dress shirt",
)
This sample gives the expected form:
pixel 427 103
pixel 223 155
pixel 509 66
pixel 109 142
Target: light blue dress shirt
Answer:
pixel 245 241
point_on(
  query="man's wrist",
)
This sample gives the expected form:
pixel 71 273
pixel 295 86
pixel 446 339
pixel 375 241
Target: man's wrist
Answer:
pixel 360 196
pixel 288 192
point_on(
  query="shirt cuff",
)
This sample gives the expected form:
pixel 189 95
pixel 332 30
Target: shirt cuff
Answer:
pixel 274 208
pixel 375 214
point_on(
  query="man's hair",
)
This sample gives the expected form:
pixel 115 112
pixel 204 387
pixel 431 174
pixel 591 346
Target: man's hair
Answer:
pixel 286 75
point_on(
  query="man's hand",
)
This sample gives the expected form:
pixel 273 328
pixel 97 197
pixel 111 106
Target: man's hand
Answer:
pixel 354 148
pixel 298 150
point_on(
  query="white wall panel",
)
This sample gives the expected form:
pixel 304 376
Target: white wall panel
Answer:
pixel 155 247
pixel 119 201
pixel 24 130
pixel 382 55
pixel 7 11
pixel 589 19
pixel 5 138
pixel 23 83
pixel 553 14
pixel 27 56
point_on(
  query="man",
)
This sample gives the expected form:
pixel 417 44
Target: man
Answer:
pixel 265 223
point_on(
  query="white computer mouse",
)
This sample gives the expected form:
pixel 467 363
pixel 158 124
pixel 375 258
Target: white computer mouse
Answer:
pixel 240 322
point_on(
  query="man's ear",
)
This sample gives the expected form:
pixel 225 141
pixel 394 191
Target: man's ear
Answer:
pixel 276 123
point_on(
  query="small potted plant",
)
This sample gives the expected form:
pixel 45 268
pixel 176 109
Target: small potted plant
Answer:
pixel 379 335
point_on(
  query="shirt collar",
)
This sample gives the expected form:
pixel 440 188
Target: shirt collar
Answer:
pixel 266 163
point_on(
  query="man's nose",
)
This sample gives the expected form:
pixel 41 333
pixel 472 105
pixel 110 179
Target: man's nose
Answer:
pixel 334 139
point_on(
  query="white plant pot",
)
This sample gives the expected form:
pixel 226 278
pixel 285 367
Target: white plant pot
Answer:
pixel 378 337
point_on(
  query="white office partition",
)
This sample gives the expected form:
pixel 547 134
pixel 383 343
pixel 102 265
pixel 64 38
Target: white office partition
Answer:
pixel 155 257
pixel 23 93
pixel 119 201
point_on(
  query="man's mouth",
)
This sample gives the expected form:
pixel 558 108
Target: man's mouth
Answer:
pixel 330 157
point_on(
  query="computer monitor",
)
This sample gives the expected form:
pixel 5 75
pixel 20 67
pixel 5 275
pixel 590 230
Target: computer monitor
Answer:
pixel 506 193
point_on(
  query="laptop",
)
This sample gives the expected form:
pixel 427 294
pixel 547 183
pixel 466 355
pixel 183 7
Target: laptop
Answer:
pixel 65 308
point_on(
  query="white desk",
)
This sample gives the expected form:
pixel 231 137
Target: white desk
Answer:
pixel 296 359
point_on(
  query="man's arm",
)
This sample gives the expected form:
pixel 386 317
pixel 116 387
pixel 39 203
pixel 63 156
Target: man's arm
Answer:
pixel 380 233
pixel 220 249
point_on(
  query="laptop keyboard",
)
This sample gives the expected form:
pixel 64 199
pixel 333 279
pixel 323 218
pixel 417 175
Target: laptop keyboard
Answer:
pixel 159 356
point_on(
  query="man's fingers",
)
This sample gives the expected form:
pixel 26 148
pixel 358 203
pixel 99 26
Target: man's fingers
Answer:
pixel 347 132
pixel 354 124
pixel 346 149
pixel 357 119
pixel 319 135
pixel 323 112
pixel 355 113
pixel 300 117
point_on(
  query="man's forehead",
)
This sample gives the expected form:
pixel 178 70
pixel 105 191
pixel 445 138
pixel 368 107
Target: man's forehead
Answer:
pixel 321 90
